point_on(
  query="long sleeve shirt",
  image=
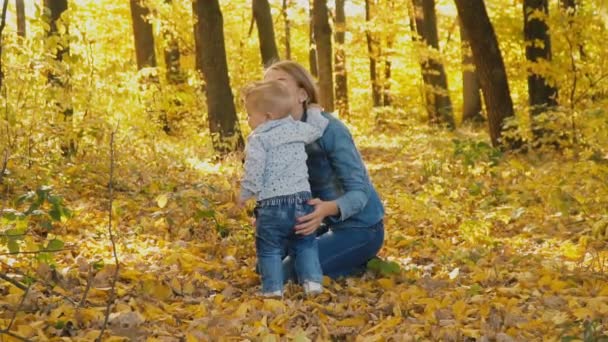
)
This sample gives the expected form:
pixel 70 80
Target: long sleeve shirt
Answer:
pixel 275 156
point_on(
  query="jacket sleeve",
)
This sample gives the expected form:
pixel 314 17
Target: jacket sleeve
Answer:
pixel 255 163
pixel 350 171
pixel 314 126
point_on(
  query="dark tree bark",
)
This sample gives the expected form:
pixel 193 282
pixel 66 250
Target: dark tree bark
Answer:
pixel 172 56
pixel 439 105
pixel 211 62
pixel 386 85
pixel 340 60
pixel 2 25
pixel 373 49
pixel 287 26
pixel 471 97
pixel 541 94
pixel 54 9
pixel 143 35
pixel 20 9
pixel 324 59
pixel 312 45
pixel 489 66
pixel 263 20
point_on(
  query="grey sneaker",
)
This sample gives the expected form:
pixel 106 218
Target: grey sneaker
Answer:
pixel 272 294
pixel 312 288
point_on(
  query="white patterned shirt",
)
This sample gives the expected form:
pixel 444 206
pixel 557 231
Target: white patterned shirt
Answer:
pixel 275 161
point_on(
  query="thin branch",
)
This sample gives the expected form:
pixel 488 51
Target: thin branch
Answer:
pixel 36 280
pixel 86 290
pixel 37 252
pixel 20 338
pixel 111 191
pixel 13 281
pixel 18 308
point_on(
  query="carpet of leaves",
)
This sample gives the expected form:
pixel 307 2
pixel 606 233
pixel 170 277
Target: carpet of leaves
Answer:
pixel 480 246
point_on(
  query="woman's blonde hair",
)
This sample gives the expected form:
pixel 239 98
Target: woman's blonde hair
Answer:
pixel 303 78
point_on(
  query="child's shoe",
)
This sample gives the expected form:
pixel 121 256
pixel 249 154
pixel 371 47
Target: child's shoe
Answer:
pixel 272 294
pixel 312 288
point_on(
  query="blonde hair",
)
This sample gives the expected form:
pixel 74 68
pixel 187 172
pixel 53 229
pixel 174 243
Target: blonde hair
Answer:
pixel 268 97
pixel 302 77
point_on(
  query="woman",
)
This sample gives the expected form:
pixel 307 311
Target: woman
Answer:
pixel 343 195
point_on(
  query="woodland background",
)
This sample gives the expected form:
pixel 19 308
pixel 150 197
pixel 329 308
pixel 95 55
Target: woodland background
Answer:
pixel 121 131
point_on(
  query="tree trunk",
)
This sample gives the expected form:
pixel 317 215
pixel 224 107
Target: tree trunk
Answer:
pixel 439 105
pixel 541 95
pixel 386 85
pixel 489 66
pixel 373 49
pixel 143 35
pixel 312 45
pixel 20 9
pixel 56 9
pixel 324 59
pixel 59 84
pixel 340 60
pixel 2 25
pixel 211 62
pixel 471 98
pixel 172 55
pixel 263 20
pixel 287 30
pixel 569 6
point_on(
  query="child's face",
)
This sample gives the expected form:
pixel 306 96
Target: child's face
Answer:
pixel 256 118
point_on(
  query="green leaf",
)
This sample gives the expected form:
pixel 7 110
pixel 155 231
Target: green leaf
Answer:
pixel 204 213
pixel 54 245
pixel 13 246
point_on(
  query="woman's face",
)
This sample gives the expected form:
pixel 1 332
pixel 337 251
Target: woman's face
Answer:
pixel 298 94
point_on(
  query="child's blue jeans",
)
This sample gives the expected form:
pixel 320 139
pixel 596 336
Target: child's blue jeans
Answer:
pixel 275 222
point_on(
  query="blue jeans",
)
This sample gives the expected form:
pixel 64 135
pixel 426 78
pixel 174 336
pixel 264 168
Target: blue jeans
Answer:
pixel 275 219
pixel 344 251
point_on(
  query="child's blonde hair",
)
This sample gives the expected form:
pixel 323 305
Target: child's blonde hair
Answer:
pixel 268 97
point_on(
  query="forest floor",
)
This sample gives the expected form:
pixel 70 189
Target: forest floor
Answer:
pixel 480 246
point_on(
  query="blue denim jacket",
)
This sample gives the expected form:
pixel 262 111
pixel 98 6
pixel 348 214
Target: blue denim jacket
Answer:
pixel 336 172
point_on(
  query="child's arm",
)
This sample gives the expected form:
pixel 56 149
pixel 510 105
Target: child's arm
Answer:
pixel 315 124
pixel 255 161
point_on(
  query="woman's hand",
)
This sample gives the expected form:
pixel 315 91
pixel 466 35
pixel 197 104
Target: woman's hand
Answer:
pixel 307 224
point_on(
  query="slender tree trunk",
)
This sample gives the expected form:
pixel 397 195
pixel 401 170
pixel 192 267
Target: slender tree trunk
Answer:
pixel 489 65
pixel 287 25
pixel 211 62
pixel 2 25
pixel 386 85
pixel 471 103
pixel 56 9
pixel 324 58
pixel 340 60
pixel 439 105
pixel 373 49
pixel 312 45
pixel 172 55
pixel 20 9
pixel 60 84
pixel 541 94
pixel 143 35
pixel 263 20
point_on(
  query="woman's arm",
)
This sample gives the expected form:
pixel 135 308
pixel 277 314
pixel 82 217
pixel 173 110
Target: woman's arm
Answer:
pixel 348 166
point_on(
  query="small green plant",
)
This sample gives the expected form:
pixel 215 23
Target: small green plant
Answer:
pixel 592 332
pixel 473 152
pixel 43 207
